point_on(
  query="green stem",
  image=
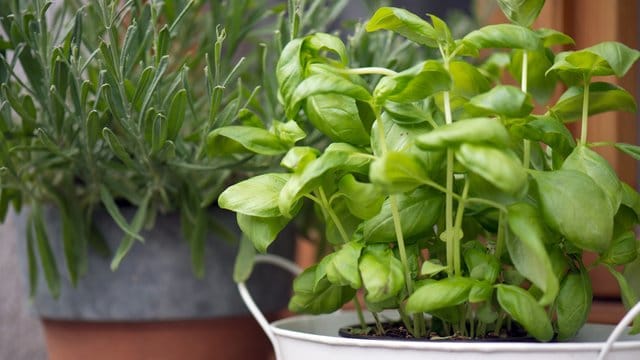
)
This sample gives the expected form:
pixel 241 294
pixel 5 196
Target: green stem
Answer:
pixel 449 179
pixel 356 303
pixel 500 236
pixel 458 225
pixel 526 157
pixel 327 206
pixel 373 70
pixel 585 111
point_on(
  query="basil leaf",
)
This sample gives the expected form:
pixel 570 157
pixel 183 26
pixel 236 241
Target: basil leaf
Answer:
pixel 524 309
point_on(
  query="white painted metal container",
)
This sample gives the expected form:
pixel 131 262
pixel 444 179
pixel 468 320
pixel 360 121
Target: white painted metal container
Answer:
pixel 316 338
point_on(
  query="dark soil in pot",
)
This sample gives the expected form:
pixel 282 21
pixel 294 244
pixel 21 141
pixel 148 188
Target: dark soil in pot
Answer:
pixel 398 331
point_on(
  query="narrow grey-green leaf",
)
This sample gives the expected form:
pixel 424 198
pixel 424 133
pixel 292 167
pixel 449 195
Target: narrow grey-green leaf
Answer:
pixel 116 215
pixel 47 259
pixel 176 113
pixel 137 223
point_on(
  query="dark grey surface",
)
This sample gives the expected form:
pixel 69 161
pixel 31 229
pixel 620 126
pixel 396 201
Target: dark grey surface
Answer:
pixel 155 281
pixel 21 336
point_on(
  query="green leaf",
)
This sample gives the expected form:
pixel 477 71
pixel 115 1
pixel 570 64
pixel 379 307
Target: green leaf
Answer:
pixel 551 37
pixel 623 250
pixel 298 157
pixel 570 199
pixel 237 139
pixel 430 268
pixel 476 130
pixel 404 23
pixel 499 167
pixel 481 265
pixel 382 273
pixel 629 297
pixel 527 250
pixel 550 131
pixel 289 69
pixel 47 259
pixel 32 261
pixel 524 309
pixel 337 116
pixel 397 172
pixel 262 231
pixel 116 215
pixel 603 97
pixel 619 56
pixel 503 100
pixel 521 12
pixel 127 241
pixel 324 84
pixel 480 292
pixel 419 211
pixel 413 84
pixel 598 168
pixel 336 157
pixel 256 196
pixel 440 294
pixel 467 80
pixel 318 42
pixel 540 84
pixel 288 132
pixel 504 36
pixel 243 267
pixel 343 267
pixel 631 199
pixel 117 148
pixel 175 114
pixel 631 150
pixel 159 134
pixel 314 294
pixel 364 200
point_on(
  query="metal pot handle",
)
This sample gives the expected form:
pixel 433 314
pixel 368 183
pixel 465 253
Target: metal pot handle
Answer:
pixel 251 304
pixel 619 329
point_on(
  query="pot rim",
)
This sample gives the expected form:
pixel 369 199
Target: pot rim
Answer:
pixel 280 329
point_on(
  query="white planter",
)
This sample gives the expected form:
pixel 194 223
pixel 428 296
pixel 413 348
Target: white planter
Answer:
pixel 316 338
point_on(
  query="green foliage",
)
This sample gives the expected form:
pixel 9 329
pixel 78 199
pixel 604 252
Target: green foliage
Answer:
pixel 110 104
pixel 439 189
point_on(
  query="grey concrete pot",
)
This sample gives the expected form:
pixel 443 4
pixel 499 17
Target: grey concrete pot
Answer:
pixel 155 280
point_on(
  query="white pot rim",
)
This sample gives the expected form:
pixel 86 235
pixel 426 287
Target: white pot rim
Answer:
pixel 281 328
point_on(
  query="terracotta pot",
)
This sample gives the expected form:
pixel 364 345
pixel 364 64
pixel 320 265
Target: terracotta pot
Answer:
pixel 153 307
pixel 234 338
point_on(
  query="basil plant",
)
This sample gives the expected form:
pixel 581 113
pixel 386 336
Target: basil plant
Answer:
pixel 441 189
